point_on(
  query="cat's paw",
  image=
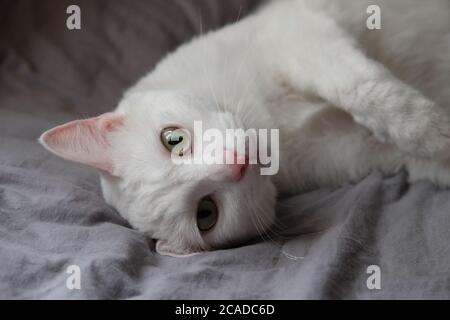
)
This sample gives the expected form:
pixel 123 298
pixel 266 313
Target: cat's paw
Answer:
pixel 422 130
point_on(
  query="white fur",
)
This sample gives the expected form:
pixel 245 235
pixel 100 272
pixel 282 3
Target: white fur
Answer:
pixel 347 100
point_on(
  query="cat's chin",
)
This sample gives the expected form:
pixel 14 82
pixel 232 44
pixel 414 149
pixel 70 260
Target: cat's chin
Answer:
pixel 249 211
pixel 246 211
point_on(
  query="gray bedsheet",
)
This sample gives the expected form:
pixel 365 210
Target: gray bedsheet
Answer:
pixel 52 214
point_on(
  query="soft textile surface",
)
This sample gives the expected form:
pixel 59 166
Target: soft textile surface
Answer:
pixel 52 214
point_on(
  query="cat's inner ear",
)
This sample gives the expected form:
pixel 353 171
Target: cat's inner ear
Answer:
pixel 85 141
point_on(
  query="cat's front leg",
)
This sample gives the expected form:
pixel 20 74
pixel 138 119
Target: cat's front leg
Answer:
pixel 392 110
pixel 397 113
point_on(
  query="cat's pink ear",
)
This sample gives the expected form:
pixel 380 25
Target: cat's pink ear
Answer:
pixel 165 248
pixel 84 141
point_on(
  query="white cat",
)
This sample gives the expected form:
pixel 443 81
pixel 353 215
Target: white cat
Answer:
pixel 347 100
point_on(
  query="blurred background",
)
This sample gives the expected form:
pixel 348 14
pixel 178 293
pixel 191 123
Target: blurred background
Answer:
pixel 46 67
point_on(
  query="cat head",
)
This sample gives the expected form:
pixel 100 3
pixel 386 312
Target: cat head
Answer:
pixel 186 207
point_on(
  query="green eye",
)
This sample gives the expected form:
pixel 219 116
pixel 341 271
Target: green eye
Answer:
pixel 176 140
pixel 207 214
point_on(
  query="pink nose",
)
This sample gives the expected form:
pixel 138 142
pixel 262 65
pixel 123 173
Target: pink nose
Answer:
pixel 237 165
pixel 238 171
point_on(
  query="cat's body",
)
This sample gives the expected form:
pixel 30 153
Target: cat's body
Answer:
pixel 321 145
pixel 347 100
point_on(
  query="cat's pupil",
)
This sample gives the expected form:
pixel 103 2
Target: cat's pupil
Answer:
pixel 175 140
pixel 206 214
pixel 203 213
